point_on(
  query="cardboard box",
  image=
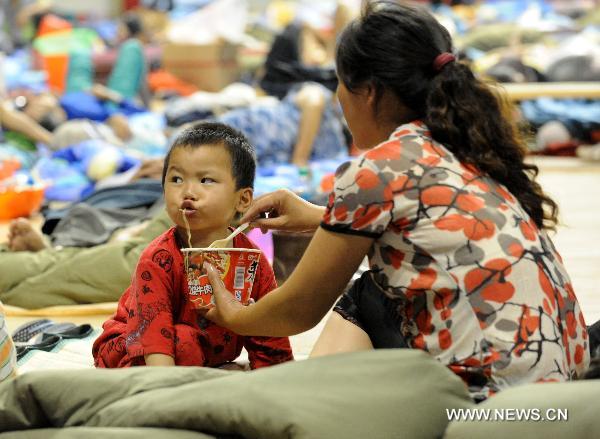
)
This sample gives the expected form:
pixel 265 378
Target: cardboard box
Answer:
pixel 210 67
pixel 101 9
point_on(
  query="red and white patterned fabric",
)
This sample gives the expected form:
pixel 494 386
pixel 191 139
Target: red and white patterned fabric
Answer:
pixel 476 283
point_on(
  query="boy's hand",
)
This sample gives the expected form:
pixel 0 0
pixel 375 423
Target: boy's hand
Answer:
pixel 159 360
pixel 226 307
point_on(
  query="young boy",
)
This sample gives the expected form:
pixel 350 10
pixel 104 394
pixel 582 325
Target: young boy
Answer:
pixel 208 176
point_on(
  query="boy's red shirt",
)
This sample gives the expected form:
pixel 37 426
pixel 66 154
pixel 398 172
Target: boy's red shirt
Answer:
pixel 157 300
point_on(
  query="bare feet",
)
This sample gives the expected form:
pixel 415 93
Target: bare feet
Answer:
pixel 23 237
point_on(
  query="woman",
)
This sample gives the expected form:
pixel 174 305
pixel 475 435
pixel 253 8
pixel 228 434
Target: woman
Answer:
pixel 297 55
pixel 126 83
pixel 304 126
pixel 447 212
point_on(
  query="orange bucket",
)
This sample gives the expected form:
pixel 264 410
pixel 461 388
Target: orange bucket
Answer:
pixel 56 67
pixel 15 202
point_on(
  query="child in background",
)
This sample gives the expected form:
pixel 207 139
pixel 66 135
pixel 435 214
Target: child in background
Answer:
pixel 208 176
pixel 8 356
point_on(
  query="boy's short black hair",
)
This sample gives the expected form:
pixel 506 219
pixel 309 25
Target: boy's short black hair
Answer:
pixel 241 152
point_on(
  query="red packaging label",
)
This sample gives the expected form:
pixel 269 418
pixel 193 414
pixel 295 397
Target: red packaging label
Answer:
pixel 237 267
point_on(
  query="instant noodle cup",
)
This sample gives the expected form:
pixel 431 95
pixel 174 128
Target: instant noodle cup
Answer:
pixel 237 267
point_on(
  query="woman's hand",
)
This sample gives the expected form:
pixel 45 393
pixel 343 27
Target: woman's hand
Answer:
pixel 285 211
pixel 226 309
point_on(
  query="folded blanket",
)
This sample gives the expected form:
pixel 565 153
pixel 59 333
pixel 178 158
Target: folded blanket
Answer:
pixel 374 394
pixel 103 433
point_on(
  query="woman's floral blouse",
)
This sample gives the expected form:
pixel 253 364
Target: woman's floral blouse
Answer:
pixel 475 282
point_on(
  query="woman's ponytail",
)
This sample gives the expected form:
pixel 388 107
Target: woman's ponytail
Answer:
pixel 473 121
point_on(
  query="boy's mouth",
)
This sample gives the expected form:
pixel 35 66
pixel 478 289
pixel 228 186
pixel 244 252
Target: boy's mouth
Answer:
pixel 187 208
pixel 188 212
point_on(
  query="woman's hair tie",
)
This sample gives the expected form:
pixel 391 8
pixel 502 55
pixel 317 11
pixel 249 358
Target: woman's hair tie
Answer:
pixel 441 60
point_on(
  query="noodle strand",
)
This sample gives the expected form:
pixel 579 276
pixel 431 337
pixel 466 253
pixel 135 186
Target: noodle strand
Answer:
pixel 186 258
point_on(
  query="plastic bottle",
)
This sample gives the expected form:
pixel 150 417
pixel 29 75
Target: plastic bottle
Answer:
pixel 306 187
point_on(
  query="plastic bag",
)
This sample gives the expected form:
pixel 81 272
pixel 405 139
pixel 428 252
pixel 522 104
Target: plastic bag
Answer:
pixel 222 19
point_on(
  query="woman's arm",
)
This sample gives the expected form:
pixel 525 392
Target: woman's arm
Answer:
pixel 20 122
pixel 299 304
pixel 286 211
pixel 106 94
pixel 311 102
